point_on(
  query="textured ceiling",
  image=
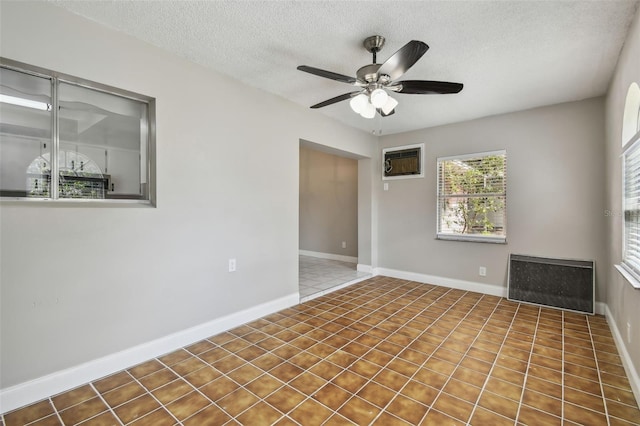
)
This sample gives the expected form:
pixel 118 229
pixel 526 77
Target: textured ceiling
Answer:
pixel 510 55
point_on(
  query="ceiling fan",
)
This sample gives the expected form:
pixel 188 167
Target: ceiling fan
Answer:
pixel 376 80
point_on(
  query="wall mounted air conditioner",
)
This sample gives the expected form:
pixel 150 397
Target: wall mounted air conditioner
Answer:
pixel 403 162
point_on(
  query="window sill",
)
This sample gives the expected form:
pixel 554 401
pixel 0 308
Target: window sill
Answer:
pixel 472 238
pixel 75 202
pixel 628 277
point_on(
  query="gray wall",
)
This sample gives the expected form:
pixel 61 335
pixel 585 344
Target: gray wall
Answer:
pixel 623 301
pixel 328 203
pixel 80 283
pixel 555 187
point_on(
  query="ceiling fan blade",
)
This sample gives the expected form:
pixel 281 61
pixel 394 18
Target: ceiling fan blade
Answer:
pixel 340 98
pixel 425 87
pixel 403 59
pixel 327 74
pixel 381 112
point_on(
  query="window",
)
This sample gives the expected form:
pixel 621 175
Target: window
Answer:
pixel 64 138
pixel 472 194
pixel 631 176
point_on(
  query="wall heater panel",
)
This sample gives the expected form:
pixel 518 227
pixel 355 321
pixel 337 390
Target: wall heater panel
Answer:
pixel 558 283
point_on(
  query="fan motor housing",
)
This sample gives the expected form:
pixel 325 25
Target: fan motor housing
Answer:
pixel 368 73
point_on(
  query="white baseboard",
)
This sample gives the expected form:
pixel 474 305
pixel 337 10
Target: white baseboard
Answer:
pixel 364 268
pixel 490 289
pixel 332 289
pixel 60 381
pixel 632 373
pixel 329 256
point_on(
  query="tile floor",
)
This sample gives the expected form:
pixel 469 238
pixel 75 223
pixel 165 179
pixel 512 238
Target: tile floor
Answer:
pixel 384 352
pixel 321 276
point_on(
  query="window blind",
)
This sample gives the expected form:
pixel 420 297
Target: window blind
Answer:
pixel 472 192
pixel 631 254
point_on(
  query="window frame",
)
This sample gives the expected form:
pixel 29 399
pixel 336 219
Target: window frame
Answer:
pixel 627 268
pixel 57 78
pixel 477 238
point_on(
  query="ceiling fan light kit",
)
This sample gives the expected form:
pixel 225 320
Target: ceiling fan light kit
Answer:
pixel 374 80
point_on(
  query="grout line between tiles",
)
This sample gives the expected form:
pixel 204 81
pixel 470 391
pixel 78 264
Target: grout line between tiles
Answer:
pixel 563 372
pixel 595 356
pixel 109 409
pixel 526 374
pixel 135 379
pixel 484 385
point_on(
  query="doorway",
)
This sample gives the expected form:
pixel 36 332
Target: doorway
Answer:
pixel 328 221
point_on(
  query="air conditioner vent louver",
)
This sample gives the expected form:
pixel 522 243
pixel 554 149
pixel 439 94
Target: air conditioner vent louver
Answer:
pixel 403 162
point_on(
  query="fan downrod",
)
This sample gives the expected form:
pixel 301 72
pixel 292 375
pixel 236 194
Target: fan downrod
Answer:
pixel 373 45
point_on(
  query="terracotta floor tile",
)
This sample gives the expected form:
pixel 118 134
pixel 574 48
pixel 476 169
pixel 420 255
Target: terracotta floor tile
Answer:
pixel 29 414
pixel 285 399
pixel 619 395
pixel 377 394
pixel 213 355
pixel 462 390
pixel 285 371
pixel 174 357
pixel 310 412
pixel 332 396
pixel 245 374
pixel 199 347
pixel 145 368
pixel 403 367
pixel 73 397
pixel 219 388
pixel 264 385
pixel 104 419
pixel 542 402
pixel 583 399
pixel 251 352
pixel 81 412
pixel 383 351
pixel 453 407
pixel 615 380
pixel 349 381
pixel 583 416
pixel 307 383
pixel 188 405
pixel 136 408
pixel 51 420
pixel 267 361
pixel 260 414
pixel 474 378
pixel 203 376
pixel 386 419
pixel 531 416
pixel 483 416
pixel 623 411
pixel 228 364
pixel 159 417
pixel 391 379
pixel 498 404
pixel 237 401
pixel 172 391
pixel 359 411
pixel 436 418
pixel 582 384
pixel 123 394
pixel 112 382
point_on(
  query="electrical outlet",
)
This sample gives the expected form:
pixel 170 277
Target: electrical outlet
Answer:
pixel 232 265
pixel 482 271
pixel 344 244
pixel 628 332
pixel 385 186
